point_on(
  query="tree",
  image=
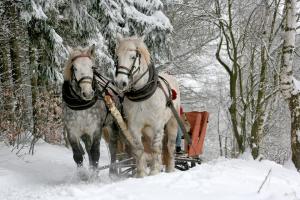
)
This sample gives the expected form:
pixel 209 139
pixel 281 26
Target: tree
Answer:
pixel 289 86
pixel 31 63
pixel 250 47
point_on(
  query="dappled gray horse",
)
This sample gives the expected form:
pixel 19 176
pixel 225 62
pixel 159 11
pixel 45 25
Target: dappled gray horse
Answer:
pixel 84 114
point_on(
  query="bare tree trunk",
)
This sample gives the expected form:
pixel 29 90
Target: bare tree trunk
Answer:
pixel 257 127
pixel 288 87
pixel 219 133
pixel 230 41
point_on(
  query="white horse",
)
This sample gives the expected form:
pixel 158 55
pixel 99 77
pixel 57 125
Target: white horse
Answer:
pixel 145 105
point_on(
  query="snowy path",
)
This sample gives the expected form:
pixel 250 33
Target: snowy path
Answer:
pixel 51 174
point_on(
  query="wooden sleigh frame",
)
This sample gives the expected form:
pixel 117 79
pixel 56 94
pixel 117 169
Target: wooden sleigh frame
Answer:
pixel 125 164
pixel 193 145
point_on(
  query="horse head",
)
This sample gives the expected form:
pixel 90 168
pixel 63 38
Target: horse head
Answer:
pixel 132 63
pixel 79 71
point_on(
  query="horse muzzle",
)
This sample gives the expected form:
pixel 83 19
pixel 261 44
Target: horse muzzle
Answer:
pixel 87 93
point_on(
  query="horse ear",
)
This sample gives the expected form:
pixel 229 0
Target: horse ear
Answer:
pixel 92 50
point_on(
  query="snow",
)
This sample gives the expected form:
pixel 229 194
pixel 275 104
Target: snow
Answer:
pixel 38 12
pixel 60 54
pixel 156 4
pixel 296 86
pixel 156 20
pixel 298 136
pixel 51 174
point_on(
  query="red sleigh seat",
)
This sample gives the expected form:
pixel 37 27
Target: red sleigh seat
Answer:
pixel 198 122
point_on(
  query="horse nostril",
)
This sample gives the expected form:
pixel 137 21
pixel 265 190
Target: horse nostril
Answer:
pixel 84 94
pixel 124 84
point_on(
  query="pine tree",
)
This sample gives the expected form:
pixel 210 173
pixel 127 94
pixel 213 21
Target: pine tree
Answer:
pixel 47 27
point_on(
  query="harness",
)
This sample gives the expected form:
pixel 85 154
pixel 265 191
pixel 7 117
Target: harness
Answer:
pixel 84 78
pixel 149 88
pixel 129 72
pixel 74 101
pixel 70 96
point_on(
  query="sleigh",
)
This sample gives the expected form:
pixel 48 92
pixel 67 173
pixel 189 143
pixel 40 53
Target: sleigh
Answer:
pixel 193 144
pixel 193 148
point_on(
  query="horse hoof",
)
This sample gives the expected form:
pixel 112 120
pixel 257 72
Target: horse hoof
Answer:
pixel 114 176
pixel 169 170
pixel 83 174
pixel 140 175
pixel 154 172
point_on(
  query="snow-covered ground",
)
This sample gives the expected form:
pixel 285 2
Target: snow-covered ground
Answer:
pixel 51 174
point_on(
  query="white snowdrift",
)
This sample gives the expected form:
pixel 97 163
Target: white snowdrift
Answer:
pixel 51 174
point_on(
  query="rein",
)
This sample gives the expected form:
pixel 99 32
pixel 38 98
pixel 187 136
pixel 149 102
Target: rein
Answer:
pixel 170 104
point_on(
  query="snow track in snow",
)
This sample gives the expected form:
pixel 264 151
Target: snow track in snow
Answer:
pixel 51 174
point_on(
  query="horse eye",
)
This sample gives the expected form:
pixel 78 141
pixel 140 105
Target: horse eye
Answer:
pixel 132 57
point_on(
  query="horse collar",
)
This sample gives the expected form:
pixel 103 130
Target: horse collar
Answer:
pixel 148 90
pixel 73 100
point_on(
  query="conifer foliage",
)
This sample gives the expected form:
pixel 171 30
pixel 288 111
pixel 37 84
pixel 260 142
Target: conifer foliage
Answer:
pixel 34 35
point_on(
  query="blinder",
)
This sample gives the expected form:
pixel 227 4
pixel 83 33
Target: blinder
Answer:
pixel 87 79
pixel 125 70
pixel 73 69
pixel 82 78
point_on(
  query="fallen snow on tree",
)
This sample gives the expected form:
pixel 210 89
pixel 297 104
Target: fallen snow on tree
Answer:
pixel 296 86
pixel 51 174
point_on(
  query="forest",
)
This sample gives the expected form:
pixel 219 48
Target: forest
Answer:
pixel 236 59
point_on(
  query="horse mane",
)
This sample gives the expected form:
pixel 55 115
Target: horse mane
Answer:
pixel 68 65
pixel 140 45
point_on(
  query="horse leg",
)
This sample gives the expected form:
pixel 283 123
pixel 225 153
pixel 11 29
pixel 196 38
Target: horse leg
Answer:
pixel 156 148
pixel 165 153
pixel 95 149
pixel 138 152
pixel 77 149
pixel 88 144
pixel 171 131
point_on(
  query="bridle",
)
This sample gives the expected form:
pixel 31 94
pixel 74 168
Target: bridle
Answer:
pixel 72 99
pixel 148 89
pixel 86 79
pixel 130 72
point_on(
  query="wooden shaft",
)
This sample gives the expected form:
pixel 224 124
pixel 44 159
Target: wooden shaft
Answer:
pixel 119 119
